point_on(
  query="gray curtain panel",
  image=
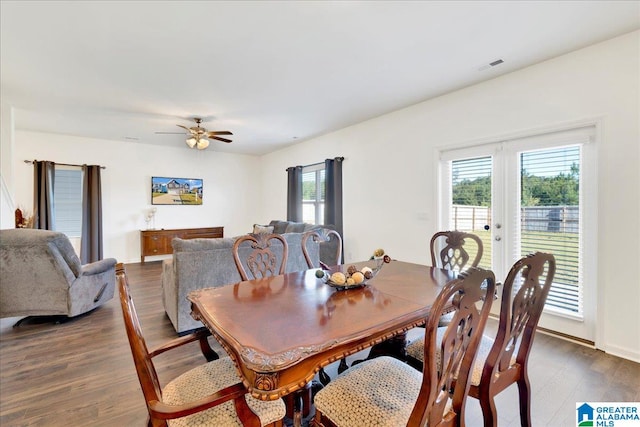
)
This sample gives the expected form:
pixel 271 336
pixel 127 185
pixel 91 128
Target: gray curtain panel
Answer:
pixel 333 193
pixel 91 240
pixel 294 194
pixel 43 180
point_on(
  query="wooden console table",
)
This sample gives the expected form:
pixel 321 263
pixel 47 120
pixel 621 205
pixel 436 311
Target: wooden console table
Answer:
pixel 158 242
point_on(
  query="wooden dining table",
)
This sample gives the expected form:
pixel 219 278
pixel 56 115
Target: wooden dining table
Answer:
pixel 281 330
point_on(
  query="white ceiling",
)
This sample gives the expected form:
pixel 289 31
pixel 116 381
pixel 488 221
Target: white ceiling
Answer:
pixel 272 72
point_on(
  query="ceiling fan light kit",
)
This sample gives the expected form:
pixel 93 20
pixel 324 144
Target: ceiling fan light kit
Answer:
pixel 202 144
pixel 199 143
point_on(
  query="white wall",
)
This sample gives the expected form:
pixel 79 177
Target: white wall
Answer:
pixel 7 204
pixel 390 167
pixel 230 188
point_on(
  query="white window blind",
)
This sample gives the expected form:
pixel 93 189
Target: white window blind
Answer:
pixel 550 219
pixel 67 200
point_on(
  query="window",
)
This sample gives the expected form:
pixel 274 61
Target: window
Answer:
pixel 67 200
pixel 313 187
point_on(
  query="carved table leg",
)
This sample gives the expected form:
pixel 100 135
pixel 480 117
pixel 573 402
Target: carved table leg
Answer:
pixel 299 404
pixel 297 409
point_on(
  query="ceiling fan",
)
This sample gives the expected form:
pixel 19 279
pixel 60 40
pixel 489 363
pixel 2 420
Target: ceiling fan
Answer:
pixel 198 135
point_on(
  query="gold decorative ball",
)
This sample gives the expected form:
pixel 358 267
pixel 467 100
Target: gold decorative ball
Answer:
pixel 338 278
pixel 357 277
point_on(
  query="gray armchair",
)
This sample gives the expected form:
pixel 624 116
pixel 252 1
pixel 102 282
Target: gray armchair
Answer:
pixel 40 274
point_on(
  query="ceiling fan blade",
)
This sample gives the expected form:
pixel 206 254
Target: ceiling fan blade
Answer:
pixel 170 133
pixel 220 139
pixel 218 132
pixel 192 131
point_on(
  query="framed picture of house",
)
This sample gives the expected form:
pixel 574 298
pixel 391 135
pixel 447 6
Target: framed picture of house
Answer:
pixel 176 191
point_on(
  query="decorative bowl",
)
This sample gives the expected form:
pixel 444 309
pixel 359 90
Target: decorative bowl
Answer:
pixel 326 278
pixel 344 286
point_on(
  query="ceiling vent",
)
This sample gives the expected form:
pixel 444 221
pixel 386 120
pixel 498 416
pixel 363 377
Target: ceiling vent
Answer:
pixel 490 65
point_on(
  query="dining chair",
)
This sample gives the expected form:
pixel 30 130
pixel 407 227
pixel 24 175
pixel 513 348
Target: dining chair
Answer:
pixel 324 236
pixel 503 360
pixel 210 394
pixel 448 250
pixel 259 259
pixel 262 262
pixel 387 392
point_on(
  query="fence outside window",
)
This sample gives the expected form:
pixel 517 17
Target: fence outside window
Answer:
pixel 561 219
pixel 554 229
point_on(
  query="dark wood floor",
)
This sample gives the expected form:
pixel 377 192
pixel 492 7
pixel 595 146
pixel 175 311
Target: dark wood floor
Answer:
pixel 81 373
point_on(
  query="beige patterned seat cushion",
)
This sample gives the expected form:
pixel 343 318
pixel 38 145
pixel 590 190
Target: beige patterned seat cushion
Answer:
pixel 416 350
pixel 209 378
pixel 378 393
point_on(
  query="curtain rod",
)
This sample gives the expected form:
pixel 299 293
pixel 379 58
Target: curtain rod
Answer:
pixel 63 164
pixel 313 164
pixel 319 163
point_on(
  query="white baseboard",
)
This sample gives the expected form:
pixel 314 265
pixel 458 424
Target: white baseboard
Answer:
pixel 623 352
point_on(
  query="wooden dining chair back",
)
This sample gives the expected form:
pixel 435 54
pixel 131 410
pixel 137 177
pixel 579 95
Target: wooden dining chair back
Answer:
pixel 260 260
pixel 387 392
pixel 324 235
pixel 449 352
pixel 209 386
pixel 523 298
pixel 448 250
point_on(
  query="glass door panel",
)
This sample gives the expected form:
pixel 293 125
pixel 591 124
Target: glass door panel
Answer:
pixel 471 188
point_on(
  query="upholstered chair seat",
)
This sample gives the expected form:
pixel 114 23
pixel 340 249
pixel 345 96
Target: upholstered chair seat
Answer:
pixel 207 379
pixel 382 394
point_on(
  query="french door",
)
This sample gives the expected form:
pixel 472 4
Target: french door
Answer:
pixel 532 194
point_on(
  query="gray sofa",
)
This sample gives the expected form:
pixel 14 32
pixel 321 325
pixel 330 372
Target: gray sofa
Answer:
pixel 41 274
pixel 202 263
pixel 328 250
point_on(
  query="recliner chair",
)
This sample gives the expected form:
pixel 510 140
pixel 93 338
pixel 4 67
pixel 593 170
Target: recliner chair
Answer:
pixel 41 275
